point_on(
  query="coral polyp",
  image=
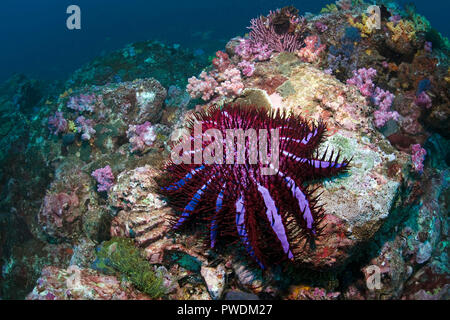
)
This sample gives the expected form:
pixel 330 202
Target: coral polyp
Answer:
pixel 265 205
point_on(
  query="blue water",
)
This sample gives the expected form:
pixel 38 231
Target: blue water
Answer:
pixel 35 41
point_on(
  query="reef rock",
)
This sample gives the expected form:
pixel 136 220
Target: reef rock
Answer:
pixel 359 202
pixel 81 284
pixel 140 100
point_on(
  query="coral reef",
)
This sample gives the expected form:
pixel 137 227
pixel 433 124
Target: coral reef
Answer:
pixel 381 87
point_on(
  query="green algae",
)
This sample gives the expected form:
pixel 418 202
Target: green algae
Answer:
pixel 120 255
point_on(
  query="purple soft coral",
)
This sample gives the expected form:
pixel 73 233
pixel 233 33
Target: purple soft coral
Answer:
pixel 423 100
pixel 251 51
pixel 141 136
pixel 104 177
pixel 83 102
pixel 84 126
pixel 247 68
pixel 417 157
pixel 384 99
pixel 363 79
pixel 57 124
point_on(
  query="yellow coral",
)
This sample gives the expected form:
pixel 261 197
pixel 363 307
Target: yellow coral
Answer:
pixel 330 8
pixel 367 26
pixel 72 126
pixel 404 29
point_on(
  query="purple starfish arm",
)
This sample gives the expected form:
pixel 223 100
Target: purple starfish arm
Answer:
pixel 214 226
pixel 302 201
pixel 191 205
pixel 242 232
pixel 275 220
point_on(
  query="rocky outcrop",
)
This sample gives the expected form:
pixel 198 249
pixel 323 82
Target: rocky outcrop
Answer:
pixel 357 203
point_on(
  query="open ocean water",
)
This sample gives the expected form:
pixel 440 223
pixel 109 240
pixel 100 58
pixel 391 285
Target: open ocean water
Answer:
pixel 35 39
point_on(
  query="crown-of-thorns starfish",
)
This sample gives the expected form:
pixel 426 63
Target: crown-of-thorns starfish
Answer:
pixel 273 216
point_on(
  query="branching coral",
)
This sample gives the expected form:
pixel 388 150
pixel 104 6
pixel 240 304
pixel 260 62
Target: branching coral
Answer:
pixel 247 68
pixel 232 83
pixel 383 99
pixel 251 51
pixel 263 32
pixel 203 87
pixel 363 79
pixel 282 30
pixel 403 30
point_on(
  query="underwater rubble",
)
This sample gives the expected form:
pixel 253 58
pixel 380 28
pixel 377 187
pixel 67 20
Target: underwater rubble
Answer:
pixel 81 216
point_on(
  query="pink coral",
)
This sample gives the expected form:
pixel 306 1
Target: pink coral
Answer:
pixel 383 116
pixel 363 79
pixel 141 136
pixel 58 216
pixel 251 51
pixel 384 99
pixel 232 84
pixel 247 68
pixel 311 53
pixel 418 156
pixel 265 34
pixel 104 178
pixel 57 124
pixel 225 79
pixel 203 87
pixel 221 62
pixel 423 100
pixel 85 127
pixel 83 102
pixel 321 27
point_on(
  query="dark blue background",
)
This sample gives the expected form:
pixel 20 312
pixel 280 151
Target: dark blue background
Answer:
pixel 34 39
